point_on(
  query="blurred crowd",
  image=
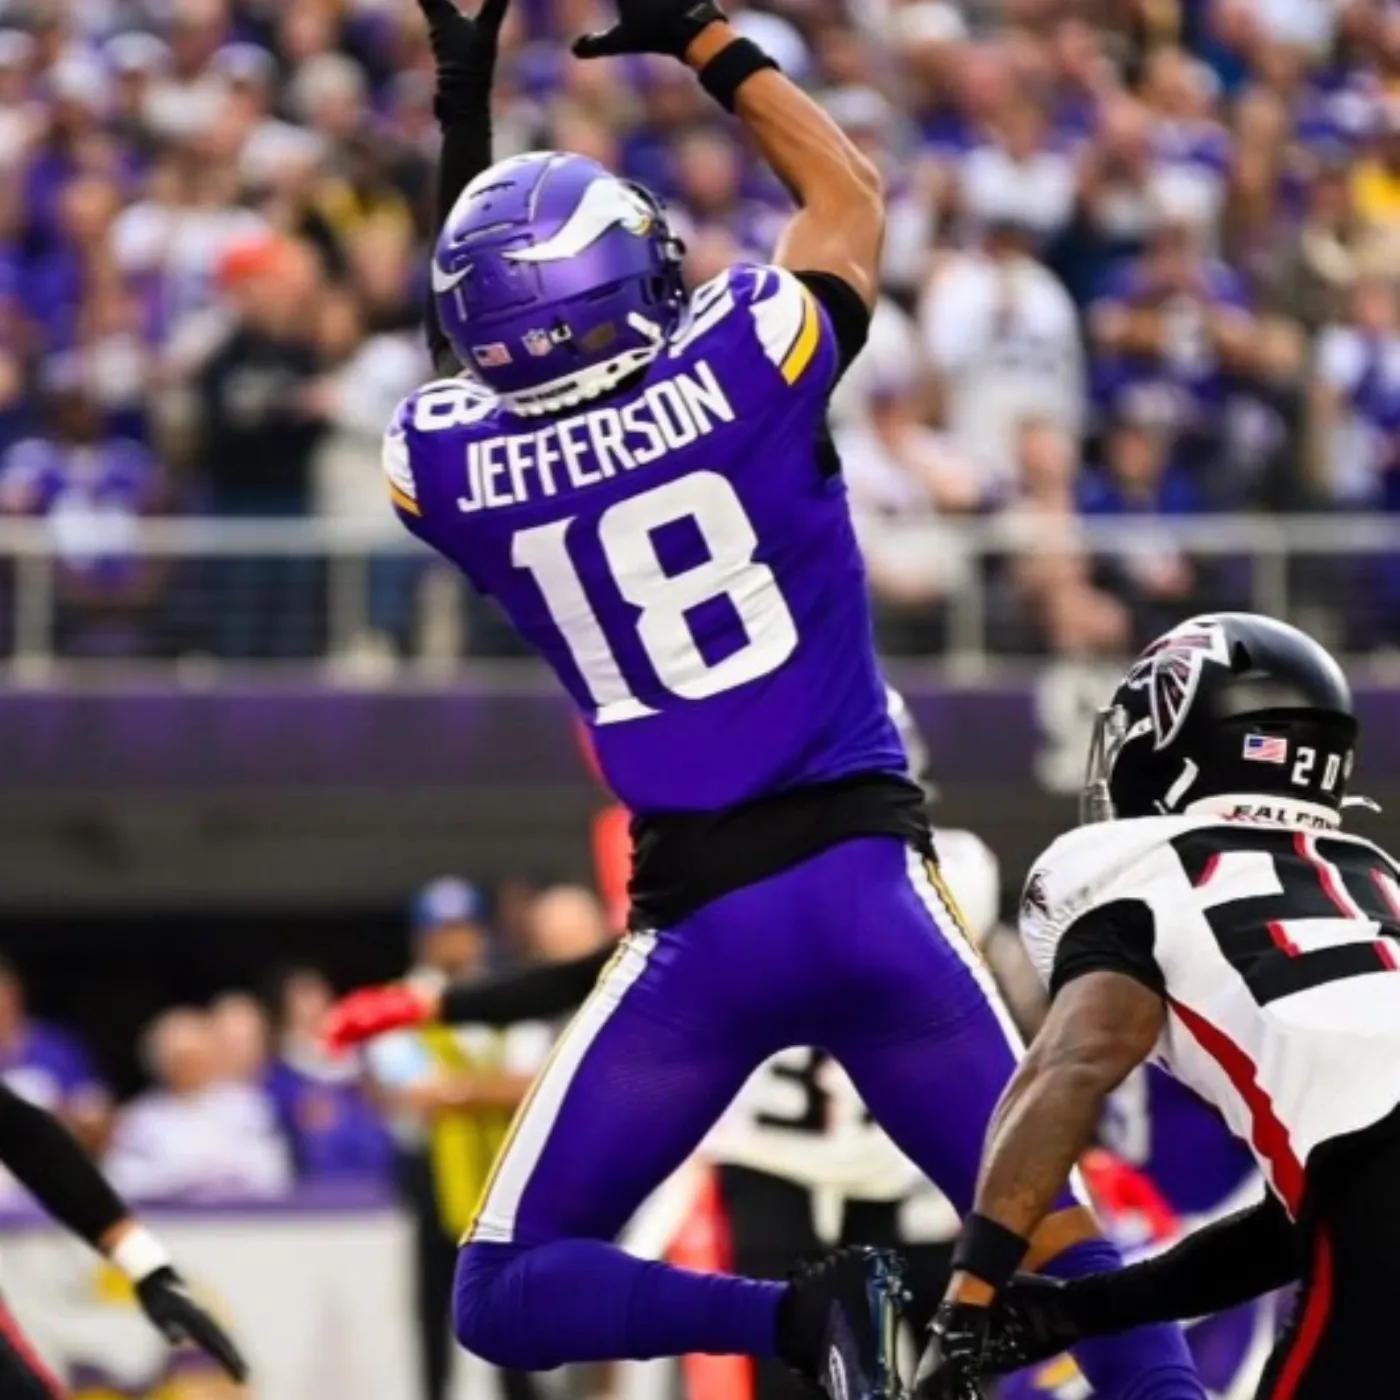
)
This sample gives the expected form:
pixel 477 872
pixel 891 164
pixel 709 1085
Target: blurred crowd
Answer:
pixel 1142 262
pixel 242 1101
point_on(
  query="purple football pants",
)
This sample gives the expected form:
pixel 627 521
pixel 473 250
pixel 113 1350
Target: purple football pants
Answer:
pixel 857 950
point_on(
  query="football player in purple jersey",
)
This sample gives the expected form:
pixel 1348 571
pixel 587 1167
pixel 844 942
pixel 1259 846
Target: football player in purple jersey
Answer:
pixel 641 476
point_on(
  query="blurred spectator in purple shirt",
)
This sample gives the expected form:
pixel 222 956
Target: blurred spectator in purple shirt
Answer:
pixel 49 1066
pixel 58 280
pixel 1356 397
pixel 1187 137
pixel 333 1128
pixel 1178 322
pixel 91 491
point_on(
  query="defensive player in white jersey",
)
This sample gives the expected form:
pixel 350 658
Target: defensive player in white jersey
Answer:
pixel 1222 924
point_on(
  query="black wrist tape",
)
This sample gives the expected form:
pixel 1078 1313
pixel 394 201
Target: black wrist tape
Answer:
pixel 732 66
pixel 988 1251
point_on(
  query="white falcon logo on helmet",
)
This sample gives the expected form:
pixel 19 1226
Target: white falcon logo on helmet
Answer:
pixel 1171 670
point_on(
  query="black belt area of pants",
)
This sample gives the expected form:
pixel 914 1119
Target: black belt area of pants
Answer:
pixel 683 860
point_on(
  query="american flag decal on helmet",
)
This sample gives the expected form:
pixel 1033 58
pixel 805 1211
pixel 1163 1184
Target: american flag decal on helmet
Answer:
pixel 1170 669
pixel 492 355
pixel 1265 748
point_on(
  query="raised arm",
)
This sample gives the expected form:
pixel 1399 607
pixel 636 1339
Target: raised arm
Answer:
pixel 464 54
pixel 840 223
pixel 839 226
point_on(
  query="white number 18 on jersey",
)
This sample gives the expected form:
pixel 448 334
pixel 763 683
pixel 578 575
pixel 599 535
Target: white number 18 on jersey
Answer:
pixel 625 532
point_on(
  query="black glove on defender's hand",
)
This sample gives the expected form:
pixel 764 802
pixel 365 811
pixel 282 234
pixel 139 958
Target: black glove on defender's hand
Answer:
pixel 1032 1320
pixel 178 1318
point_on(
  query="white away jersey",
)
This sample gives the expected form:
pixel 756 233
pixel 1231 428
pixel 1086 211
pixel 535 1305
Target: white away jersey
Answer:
pixel 1272 939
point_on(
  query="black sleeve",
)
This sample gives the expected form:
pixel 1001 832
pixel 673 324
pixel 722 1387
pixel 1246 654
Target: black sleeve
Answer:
pixel 466 152
pixel 1243 1256
pixel 535 994
pixel 848 314
pixel 51 1164
pixel 1115 937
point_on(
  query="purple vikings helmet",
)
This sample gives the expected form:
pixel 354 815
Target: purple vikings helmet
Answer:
pixel 555 280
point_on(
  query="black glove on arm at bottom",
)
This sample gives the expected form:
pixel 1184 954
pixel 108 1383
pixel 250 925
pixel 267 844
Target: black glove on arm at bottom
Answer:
pixel 953 1360
pixel 171 1307
pixel 1241 1257
pixel 1033 1319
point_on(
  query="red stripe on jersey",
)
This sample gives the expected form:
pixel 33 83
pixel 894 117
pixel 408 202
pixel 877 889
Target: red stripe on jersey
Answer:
pixel 1305 843
pixel 29 1358
pixel 1279 934
pixel 1387 954
pixel 1316 1311
pixel 1208 870
pixel 1269 1136
pixel 1390 891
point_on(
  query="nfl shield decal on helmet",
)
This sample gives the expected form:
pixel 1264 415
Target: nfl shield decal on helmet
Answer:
pixel 1171 671
pixel 537 342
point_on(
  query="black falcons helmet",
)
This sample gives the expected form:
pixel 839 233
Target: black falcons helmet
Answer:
pixel 1225 703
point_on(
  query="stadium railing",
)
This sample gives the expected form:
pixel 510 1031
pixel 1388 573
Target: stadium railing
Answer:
pixel 354 595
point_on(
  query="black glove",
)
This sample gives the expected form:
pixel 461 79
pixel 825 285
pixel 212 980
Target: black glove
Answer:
pixel 952 1363
pixel 651 26
pixel 464 50
pixel 167 1301
pixel 1032 1320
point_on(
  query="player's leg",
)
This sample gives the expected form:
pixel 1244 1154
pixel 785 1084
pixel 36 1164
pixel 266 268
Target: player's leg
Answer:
pixel 23 1375
pixel 674 1028
pixel 925 1036
pixel 634 1083
pixel 1338 1343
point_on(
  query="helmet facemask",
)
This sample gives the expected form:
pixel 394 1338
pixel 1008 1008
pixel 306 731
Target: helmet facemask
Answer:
pixel 1112 729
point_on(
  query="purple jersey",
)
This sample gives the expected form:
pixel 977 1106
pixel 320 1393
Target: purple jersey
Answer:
pixel 680 552
pixel 329 1122
pixel 50 1068
pixel 91 496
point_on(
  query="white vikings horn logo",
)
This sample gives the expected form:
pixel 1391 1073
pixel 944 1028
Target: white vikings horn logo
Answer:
pixel 606 204
pixel 1171 670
